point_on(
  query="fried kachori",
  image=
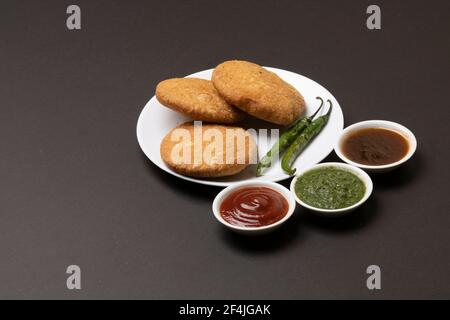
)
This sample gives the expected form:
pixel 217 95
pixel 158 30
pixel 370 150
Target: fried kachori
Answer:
pixel 258 92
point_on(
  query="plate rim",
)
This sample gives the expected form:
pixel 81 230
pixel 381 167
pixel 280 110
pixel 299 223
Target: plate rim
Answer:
pixel 226 184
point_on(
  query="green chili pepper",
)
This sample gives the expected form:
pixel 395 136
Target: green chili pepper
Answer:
pixel 302 141
pixel 285 140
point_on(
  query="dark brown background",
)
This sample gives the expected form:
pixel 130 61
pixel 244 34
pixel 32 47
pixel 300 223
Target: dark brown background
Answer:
pixel 76 189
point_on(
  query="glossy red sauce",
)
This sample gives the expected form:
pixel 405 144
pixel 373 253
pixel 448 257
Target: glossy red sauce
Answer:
pixel 254 207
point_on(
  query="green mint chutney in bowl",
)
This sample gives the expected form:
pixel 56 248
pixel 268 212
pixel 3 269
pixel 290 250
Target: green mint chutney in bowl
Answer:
pixel 331 188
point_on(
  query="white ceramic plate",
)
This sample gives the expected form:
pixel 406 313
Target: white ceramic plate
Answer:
pixel 156 121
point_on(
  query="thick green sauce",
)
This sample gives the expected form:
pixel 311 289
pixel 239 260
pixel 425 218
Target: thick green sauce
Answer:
pixel 330 188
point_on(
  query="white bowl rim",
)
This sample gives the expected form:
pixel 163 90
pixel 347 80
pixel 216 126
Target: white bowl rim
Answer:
pixel 365 178
pixel 285 192
pixel 412 141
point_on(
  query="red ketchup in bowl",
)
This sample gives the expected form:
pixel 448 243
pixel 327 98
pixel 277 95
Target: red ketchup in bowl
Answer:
pixel 254 207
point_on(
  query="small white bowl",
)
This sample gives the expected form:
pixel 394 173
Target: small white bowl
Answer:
pixel 335 212
pixel 253 230
pixel 412 142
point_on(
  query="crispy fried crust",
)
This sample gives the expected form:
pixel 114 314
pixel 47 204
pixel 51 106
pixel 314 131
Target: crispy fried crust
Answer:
pixel 197 99
pixel 258 92
pixel 211 154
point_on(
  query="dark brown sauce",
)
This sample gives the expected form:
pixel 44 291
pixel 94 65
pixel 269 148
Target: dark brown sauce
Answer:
pixel 254 207
pixel 375 146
